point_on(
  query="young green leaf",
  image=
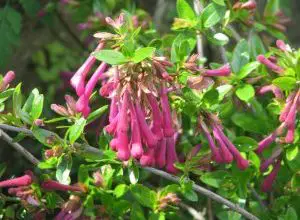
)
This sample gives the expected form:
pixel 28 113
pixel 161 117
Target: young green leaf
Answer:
pixel 76 130
pixel 144 195
pixel 247 69
pixel 285 83
pixel 212 14
pixel 96 114
pixel 184 10
pixel 240 56
pixel 63 169
pixel 142 53
pixel 110 56
pixel 245 92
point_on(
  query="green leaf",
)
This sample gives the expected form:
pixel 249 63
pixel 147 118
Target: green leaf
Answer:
pixel 120 190
pixel 229 215
pixel 6 94
pixel 184 10
pixel 83 174
pixel 142 53
pixel 291 214
pixel 63 169
pixel 291 152
pixel 111 57
pixel 247 69
pixel 219 2
pixel 17 100
pixel 256 45
pixel 46 137
pixel 221 39
pixel 295 182
pixel 36 104
pixel 240 56
pixel 285 83
pixel 144 195
pixel 249 123
pixel 212 14
pixel 96 114
pixel 188 192
pixel 245 92
pixel 137 212
pixel 245 144
pixel 214 179
pixel 76 130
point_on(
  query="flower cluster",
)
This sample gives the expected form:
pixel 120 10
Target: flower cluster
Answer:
pixel 21 187
pixel 224 151
pixel 140 117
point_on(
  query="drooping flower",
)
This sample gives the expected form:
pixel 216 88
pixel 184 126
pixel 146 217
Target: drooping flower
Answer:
pixel 268 63
pixel 269 180
pixel 270 88
pixel 71 210
pixel 222 71
pixel 224 151
pixel 54 185
pixel 18 181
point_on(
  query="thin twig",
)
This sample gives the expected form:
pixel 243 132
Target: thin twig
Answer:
pixel 193 212
pixel 167 176
pixel 19 148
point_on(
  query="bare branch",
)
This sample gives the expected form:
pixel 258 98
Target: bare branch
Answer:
pixel 19 148
pixel 193 212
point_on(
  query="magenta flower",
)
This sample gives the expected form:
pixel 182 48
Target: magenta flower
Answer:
pixel 18 181
pixel 171 158
pixel 272 66
pixel 270 88
pixel 222 71
pixel 148 158
pixel 266 163
pixel 269 180
pixel 78 80
pixel 54 185
pixel 167 118
pixel 161 153
pixel 157 116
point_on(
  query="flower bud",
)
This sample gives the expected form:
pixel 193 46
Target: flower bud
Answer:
pixel 222 71
pixel 54 185
pixel 268 181
pixel 148 158
pixel 160 153
pixel 272 66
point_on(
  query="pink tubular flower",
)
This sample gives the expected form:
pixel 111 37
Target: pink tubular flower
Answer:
pixel 281 45
pixel 78 80
pixel 222 71
pixel 167 118
pixel 54 185
pixel 160 154
pixel 225 153
pixel 272 66
pixel 241 162
pixel 157 117
pixel 290 136
pixel 266 142
pixel 122 129
pixel 82 105
pixel 113 110
pixel 266 163
pixel 215 151
pixel 19 181
pixel 148 158
pixel 270 88
pixel 136 141
pixel 269 180
pixel 150 138
pixel 171 154
pixel 286 109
